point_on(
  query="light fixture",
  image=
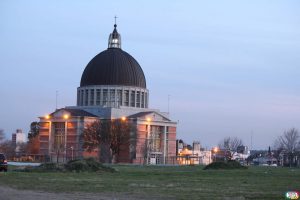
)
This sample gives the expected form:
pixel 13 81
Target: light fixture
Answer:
pixel 66 116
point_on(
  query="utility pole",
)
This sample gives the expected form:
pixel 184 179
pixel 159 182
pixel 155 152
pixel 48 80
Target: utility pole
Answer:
pixel 251 147
pixel 56 96
pixel 169 104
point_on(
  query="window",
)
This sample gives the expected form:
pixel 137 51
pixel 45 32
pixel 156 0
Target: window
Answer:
pixel 138 99
pixel 146 100
pixel 132 99
pixel 81 97
pixel 78 97
pixel 119 98
pixel 98 97
pixel 59 136
pixel 143 99
pixel 86 97
pixel 126 102
pixel 92 97
pixel 112 98
pixel 105 98
pixel 155 138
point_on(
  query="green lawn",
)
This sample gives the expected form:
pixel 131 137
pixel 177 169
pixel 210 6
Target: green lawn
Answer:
pixel 180 182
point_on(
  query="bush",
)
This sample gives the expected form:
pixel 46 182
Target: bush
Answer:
pixel 232 164
pixel 89 164
pixel 85 165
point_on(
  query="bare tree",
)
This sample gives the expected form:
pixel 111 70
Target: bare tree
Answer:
pixel 230 143
pixel 289 142
pixel 110 136
pixel 7 148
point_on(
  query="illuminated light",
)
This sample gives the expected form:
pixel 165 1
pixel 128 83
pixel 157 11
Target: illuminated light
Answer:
pixel 216 149
pixel 47 116
pixel 148 119
pixel 66 116
pixel 292 195
pixel 123 118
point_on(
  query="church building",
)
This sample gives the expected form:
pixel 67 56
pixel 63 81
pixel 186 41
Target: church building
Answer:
pixel 112 86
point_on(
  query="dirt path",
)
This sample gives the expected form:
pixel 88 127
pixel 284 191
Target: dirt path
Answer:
pixel 7 193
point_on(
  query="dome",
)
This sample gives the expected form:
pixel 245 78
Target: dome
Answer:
pixel 113 67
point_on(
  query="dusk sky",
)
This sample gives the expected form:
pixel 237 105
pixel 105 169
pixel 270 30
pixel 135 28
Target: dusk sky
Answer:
pixel 230 67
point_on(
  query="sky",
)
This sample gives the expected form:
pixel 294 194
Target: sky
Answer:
pixel 229 68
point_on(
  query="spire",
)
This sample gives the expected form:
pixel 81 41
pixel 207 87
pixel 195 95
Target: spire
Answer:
pixel 114 40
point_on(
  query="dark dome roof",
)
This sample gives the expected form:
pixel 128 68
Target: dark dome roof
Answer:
pixel 113 67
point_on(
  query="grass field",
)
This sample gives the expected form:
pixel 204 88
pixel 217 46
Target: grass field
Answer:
pixel 176 182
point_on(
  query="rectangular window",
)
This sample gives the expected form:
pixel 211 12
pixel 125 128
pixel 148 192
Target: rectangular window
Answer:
pixel 146 100
pixel 119 98
pixel 78 97
pixel 98 97
pixel 132 98
pixel 138 99
pixel 155 138
pixel 105 98
pixel 86 97
pixel 92 97
pixel 59 136
pixel 81 97
pixel 112 98
pixel 126 102
pixel 143 99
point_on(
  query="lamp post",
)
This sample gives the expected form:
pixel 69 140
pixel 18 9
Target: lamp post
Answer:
pixel 215 150
pixel 72 152
pixel 148 140
pixel 66 117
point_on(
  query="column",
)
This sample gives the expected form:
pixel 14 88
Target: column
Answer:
pixel 165 143
pixel 66 131
pixel 50 139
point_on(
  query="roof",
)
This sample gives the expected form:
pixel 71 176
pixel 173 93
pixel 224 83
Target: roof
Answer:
pixel 113 67
pixel 76 112
pixel 140 114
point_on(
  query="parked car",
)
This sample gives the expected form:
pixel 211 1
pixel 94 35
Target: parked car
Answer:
pixel 3 162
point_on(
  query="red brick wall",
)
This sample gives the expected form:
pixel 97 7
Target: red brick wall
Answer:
pixel 44 138
pixel 172 141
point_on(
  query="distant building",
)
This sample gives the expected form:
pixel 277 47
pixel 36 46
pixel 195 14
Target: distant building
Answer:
pixel 192 155
pixel 18 138
pixel 241 154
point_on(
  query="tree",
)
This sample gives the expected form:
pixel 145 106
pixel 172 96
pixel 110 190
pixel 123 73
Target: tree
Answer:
pixel 110 136
pixel 289 142
pixel 230 143
pixel 33 146
pixel 8 148
pixel 34 130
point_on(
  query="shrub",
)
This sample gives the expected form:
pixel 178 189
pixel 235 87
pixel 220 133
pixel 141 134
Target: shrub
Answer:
pixel 89 164
pixel 85 165
pixel 232 164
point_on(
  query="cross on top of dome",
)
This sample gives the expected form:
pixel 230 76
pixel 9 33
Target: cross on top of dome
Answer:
pixel 114 40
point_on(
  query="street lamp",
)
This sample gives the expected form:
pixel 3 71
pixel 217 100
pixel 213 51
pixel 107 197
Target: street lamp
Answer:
pixel 215 150
pixel 72 151
pixel 66 117
pixel 148 138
